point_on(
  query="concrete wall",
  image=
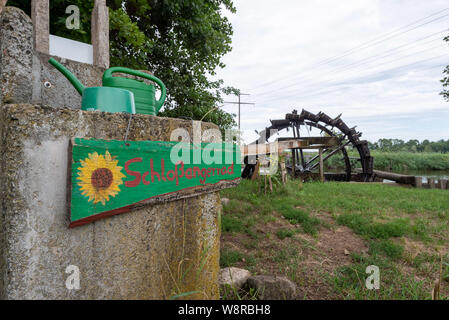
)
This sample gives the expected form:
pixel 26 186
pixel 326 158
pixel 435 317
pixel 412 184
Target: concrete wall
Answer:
pixel 24 73
pixel 136 255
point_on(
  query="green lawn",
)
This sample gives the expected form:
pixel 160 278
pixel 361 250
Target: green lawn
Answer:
pixel 405 231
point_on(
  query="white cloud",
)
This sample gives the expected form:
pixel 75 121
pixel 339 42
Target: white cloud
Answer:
pixel 280 44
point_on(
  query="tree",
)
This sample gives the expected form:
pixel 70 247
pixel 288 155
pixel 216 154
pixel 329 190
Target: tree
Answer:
pixel 58 17
pixel 445 80
pixel 181 42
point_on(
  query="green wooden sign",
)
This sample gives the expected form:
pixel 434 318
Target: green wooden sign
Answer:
pixel 110 177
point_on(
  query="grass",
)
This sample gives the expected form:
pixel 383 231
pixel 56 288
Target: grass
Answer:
pixel 285 233
pixel 349 281
pixel 386 247
pixel 280 233
pixel 380 212
pixel 248 197
pixel 229 257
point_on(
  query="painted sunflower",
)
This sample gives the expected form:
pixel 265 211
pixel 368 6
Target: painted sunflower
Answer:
pixel 99 177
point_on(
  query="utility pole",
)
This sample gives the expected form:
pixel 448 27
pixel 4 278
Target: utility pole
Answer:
pixel 240 103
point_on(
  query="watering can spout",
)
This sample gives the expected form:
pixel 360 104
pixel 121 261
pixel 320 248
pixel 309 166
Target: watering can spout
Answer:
pixel 73 80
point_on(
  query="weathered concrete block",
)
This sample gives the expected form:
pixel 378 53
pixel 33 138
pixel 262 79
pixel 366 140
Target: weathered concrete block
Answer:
pixel 100 34
pixel 60 93
pixel 16 56
pixel 25 74
pixel 2 5
pixel 138 255
pixel 40 14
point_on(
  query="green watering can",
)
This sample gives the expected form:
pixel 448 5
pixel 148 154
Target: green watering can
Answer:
pixel 144 94
pixel 99 98
pixel 116 93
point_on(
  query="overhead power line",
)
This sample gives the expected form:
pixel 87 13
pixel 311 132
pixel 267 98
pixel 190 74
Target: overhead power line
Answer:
pixel 240 103
pixel 350 66
pixel 343 81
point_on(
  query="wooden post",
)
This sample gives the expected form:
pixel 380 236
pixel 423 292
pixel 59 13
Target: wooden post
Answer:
pixel 431 183
pixel 100 34
pixel 320 151
pixel 283 169
pixel 40 15
pixel 293 163
pixel 443 184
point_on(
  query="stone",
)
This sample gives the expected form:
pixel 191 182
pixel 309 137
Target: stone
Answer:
pixel 224 201
pixel 272 287
pixel 234 277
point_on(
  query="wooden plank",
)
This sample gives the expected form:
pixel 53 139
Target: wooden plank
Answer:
pixel 418 182
pixel 274 147
pixel 109 177
pixel 256 171
pixel 293 164
pixel 399 178
pixel 324 141
pixel 283 169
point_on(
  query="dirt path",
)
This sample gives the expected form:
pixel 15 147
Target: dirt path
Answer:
pixel 310 261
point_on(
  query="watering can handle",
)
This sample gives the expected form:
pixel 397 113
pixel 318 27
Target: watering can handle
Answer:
pixel 108 73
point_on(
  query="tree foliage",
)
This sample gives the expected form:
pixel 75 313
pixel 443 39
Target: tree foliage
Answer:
pixel 181 42
pixel 445 80
pixel 58 17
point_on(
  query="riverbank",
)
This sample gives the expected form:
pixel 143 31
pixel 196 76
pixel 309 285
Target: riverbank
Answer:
pixel 322 236
pixel 408 161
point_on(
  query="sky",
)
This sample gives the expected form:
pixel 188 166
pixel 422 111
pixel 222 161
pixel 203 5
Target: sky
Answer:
pixel 378 62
